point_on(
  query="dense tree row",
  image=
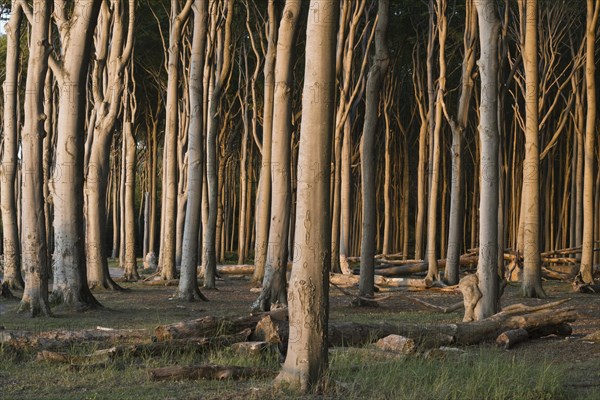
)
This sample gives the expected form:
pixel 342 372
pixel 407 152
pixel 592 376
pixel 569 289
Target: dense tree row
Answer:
pixel 307 131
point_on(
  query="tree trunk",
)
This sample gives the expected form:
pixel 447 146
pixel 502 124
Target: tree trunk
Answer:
pixel 188 286
pixel 435 146
pixel 458 126
pixel 169 206
pixel 263 194
pixel 274 284
pixel 487 268
pixel 368 154
pixel 69 264
pixel 130 263
pixel 210 242
pixel 306 360
pixel 10 234
pixel 532 272
pixel 35 263
pixel 586 269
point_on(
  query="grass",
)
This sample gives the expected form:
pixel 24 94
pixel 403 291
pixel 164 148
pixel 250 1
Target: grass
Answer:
pixel 484 373
pixel 479 373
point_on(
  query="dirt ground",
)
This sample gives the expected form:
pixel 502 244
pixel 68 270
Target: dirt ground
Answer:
pixel 146 307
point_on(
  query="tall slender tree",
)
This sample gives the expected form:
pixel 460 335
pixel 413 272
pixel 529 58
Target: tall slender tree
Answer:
pixel 10 234
pixel 368 156
pixel 586 269
pixel 532 268
pixel 35 263
pixel 274 283
pixel 188 286
pixel 487 268
pixel 169 206
pixel 307 359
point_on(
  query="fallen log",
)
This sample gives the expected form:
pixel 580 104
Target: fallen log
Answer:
pixel 235 269
pixel 428 336
pixel 146 349
pixel 351 280
pixel 162 282
pixel 208 372
pixel 65 338
pixel 211 326
pixel 511 338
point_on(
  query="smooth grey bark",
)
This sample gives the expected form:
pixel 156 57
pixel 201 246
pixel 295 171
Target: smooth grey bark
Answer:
pixel 10 232
pixel 188 285
pixel 307 360
pixel 275 279
pixel 69 265
pixel 368 155
pixel 263 194
pixel 35 263
pixel 487 268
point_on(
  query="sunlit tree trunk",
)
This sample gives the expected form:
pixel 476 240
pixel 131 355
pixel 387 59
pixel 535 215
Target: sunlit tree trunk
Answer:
pixel 263 193
pixel 170 166
pixel 69 264
pixel 435 146
pixel 307 359
pixel 586 269
pixel 532 268
pixel 35 263
pixel 113 51
pixel 12 264
pixel 274 284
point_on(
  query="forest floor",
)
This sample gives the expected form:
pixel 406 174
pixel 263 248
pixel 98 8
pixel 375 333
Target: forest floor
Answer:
pixel 548 368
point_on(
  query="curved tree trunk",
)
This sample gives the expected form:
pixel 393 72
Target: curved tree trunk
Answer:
pixel 10 234
pixel 368 156
pixel 35 263
pixel 306 360
pixel 274 283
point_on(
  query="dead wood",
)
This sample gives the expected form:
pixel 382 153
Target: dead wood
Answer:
pixel 211 326
pixel 351 280
pixel 209 372
pixel 64 338
pixel 510 338
pixel 427 336
pixel 445 310
pixel 145 349
pixel 162 282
